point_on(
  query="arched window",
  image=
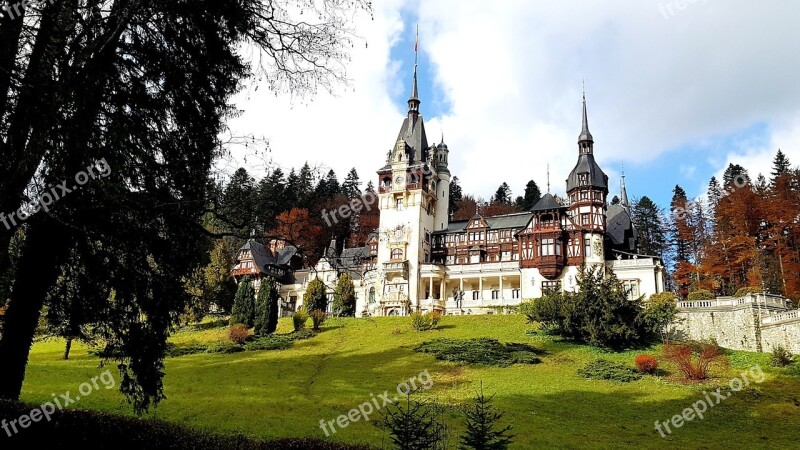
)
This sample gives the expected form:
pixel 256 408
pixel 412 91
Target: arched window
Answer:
pixel 372 295
pixel 397 253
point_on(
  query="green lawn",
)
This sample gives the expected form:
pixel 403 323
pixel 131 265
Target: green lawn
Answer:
pixel 285 393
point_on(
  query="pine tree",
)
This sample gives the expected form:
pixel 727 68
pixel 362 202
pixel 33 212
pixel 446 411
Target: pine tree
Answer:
pixel 482 431
pixel 244 307
pixel 531 196
pixel 266 320
pixel 344 297
pixel 780 165
pixel 315 298
pixel 456 195
pixel 647 218
pixel 714 193
pixel 615 200
pixel 350 186
pixel 735 176
pixel 502 195
pixel 305 186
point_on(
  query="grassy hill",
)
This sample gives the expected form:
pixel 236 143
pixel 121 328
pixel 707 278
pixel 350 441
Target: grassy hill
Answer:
pixel 285 393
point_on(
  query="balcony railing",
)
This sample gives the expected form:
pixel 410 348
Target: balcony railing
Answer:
pixel 395 266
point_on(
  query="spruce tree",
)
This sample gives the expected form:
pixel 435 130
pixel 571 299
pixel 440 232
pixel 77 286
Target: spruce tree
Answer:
pixel 502 195
pixel 530 198
pixel 350 185
pixel 646 217
pixel 244 308
pixel 456 195
pixel 780 165
pixel 482 431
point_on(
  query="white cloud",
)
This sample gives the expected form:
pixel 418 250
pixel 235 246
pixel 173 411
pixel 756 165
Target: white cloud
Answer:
pixel 511 72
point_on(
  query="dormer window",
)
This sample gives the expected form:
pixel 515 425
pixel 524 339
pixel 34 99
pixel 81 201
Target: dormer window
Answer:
pixel 583 179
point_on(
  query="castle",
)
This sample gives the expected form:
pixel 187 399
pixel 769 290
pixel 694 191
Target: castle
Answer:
pixel 418 259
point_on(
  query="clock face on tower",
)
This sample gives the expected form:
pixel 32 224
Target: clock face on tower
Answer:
pixel 398 179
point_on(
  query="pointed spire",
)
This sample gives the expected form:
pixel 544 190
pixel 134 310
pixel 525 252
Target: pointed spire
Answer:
pixel 548 178
pixel 413 101
pixel 623 192
pixel 585 136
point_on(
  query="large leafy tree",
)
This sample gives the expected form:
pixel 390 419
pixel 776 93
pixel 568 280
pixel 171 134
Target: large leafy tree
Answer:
pixel 143 86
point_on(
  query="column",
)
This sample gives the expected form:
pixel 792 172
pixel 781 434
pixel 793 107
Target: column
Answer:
pixel 480 287
pixel 430 287
pixel 501 289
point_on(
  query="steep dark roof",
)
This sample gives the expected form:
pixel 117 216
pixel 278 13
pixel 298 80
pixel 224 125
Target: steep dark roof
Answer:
pixel 414 137
pixel 516 220
pixel 620 229
pixel 263 256
pixel 585 134
pixel 547 202
pixel 587 164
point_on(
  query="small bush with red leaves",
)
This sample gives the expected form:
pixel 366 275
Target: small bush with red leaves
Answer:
pixel 693 358
pixel 646 363
pixel 238 333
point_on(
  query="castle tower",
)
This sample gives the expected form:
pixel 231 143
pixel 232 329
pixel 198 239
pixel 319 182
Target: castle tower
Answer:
pixel 413 196
pixel 587 190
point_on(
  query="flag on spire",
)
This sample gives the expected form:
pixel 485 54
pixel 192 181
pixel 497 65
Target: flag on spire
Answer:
pixel 416 41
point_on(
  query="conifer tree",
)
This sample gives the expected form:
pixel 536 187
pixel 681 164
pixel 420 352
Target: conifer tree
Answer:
pixel 646 217
pixel 780 165
pixel 350 186
pixel 244 308
pixel 483 432
pixel 344 296
pixel 266 320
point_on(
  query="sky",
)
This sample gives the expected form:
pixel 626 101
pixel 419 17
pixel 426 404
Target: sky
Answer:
pixel 676 90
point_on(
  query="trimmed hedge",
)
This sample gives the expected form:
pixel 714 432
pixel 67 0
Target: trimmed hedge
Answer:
pixel 89 429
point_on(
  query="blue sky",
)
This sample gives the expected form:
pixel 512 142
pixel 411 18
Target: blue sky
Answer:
pixel 673 97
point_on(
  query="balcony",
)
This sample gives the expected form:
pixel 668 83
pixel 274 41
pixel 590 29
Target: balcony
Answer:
pixel 396 267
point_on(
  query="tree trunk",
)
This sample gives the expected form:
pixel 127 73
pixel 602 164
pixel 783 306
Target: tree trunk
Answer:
pixel 67 348
pixel 45 247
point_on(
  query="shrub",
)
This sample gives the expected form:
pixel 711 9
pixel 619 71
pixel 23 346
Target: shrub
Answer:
pixel 344 296
pixel 317 318
pixel 238 333
pixel 646 363
pixel 481 351
pixel 683 355
pixel 425 322
pixel 224 347
pixel 659 312
pixel 601 369
pixel 781 357
pixel 741 292
pixel 271 342
pixel 299 319
pixel 599 312
pixel 315 297
pixel 701 294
